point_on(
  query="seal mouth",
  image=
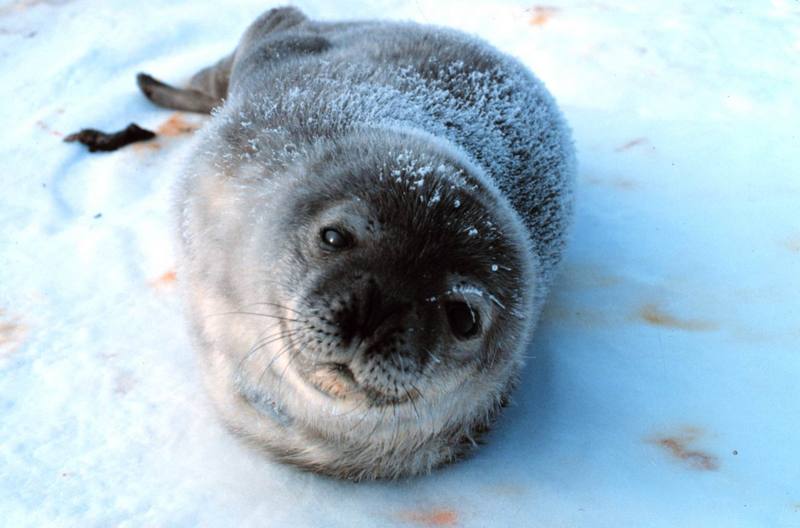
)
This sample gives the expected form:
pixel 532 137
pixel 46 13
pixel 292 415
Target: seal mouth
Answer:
pixel 333 379
pixel 344 371
pixel 337 380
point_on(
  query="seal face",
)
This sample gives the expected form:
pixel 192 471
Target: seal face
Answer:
pixel 360 279
pixel 383 315
pixel 395 277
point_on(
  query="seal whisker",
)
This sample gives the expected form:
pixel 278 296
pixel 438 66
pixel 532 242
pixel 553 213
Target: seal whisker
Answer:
pixel 395 426
pixel 413 405
pixel 269 316
pixel 358 407
pixel 275 305
pixel 263 342
pixel 283 350
pixel 424 400
pixel 378 423
pixel 292 356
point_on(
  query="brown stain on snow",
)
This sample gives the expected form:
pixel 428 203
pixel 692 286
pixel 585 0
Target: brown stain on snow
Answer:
pixel 793 243
pixel 165 281
pixel 23 5
pixel 431 518
pixel 656 316
pixel 12 334
pixel 44 126
pixel 630 144
pixel 176 125
pixel 540 15
pixel 679 446
pixel 144 146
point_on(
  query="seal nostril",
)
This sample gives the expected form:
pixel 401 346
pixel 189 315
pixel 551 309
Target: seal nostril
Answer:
pixel 463 320
pixel 368 312
pixel 377 309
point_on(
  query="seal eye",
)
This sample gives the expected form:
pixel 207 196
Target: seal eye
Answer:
pixel 464 321
pixel 333 238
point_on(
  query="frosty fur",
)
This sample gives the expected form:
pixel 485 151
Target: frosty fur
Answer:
pixel 372 125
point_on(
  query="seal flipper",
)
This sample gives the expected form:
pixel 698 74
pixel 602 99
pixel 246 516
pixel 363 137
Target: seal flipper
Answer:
pixel 189 99
pixel 209 86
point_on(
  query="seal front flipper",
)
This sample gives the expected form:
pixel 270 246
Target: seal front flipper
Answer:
pixel 188 99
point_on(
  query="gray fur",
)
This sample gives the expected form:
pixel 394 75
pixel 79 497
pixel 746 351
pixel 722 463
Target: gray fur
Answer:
pixel 448 166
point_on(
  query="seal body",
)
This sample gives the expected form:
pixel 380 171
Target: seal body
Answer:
pixel 368 227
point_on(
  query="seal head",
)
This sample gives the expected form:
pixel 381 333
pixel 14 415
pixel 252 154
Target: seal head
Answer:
pixel 374 299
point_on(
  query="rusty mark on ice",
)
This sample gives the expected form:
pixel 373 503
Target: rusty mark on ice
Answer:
pixel 656 316
pixel 165 280
pixel 540 15
pixel 630 144
pixel 176 125
pixel 44 126
pixel 432 518
pixel 679 446
pixel 146 146
pixel 792 243
pixel 12 334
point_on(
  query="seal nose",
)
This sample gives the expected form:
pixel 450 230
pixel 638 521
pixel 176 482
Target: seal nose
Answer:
pixel 373 308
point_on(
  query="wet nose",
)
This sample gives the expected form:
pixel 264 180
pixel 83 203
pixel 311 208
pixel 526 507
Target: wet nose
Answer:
pixel 372 308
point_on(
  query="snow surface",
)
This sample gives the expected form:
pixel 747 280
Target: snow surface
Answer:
pixel 663 385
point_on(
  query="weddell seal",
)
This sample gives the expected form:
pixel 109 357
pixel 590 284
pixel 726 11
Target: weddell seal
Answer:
pixel 368 226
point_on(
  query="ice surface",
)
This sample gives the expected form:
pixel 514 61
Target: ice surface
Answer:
pixel 662 387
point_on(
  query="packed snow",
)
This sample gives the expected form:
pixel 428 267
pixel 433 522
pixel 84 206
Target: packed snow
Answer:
pixel 662 383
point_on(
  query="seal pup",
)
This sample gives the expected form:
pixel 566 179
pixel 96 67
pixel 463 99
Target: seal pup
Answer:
pixel 368 227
